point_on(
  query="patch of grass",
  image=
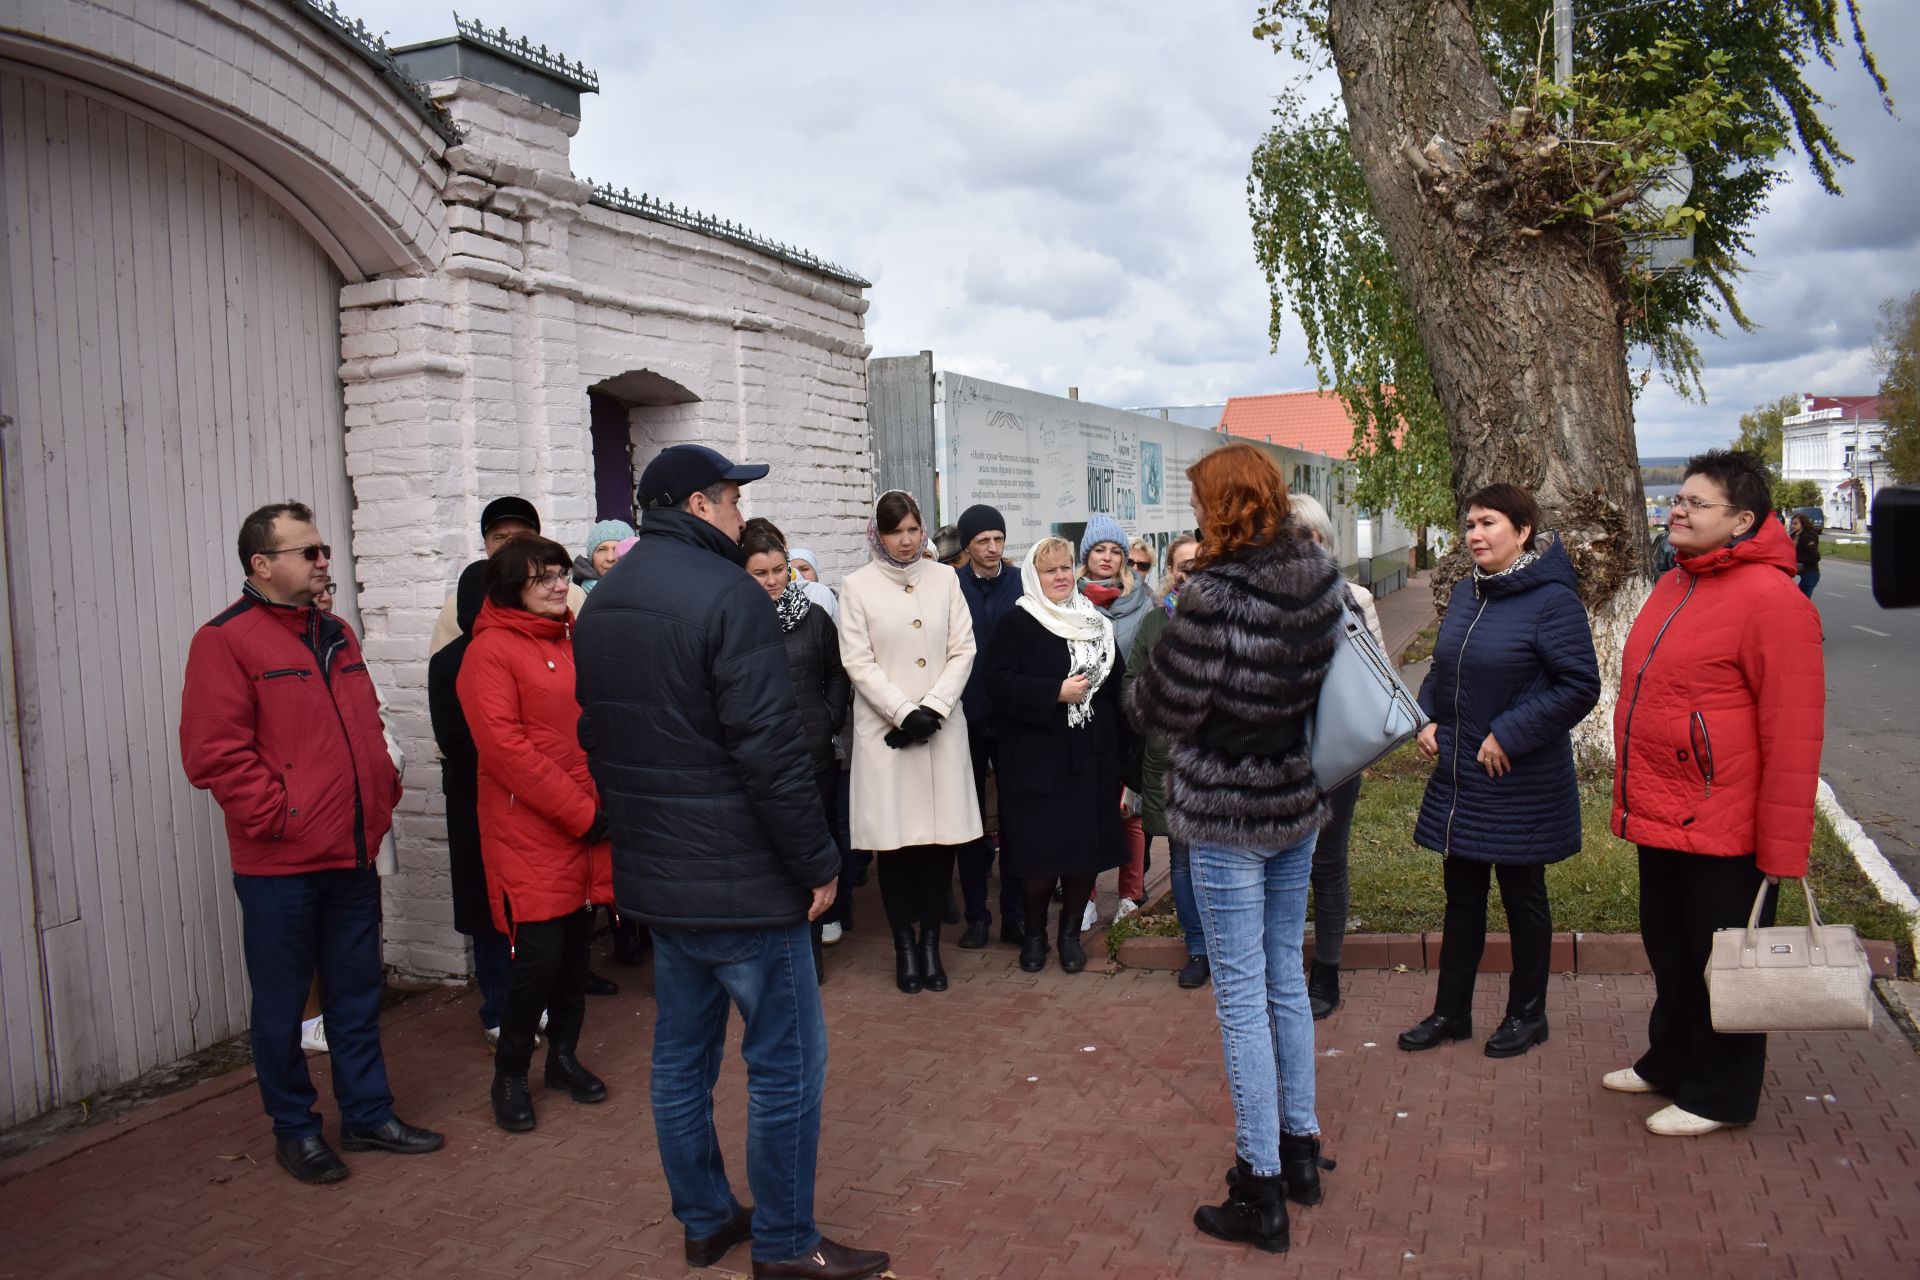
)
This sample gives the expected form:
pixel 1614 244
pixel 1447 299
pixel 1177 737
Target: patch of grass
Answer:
pixel 1421 648
pixel 1846 550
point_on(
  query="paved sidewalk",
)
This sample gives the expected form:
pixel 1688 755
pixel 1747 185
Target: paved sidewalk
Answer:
pixel 1026 1126
pixel 1405 613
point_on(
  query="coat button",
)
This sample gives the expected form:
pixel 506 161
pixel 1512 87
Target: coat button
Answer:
pixel 919 662
pixel 916 624
pixel 909 589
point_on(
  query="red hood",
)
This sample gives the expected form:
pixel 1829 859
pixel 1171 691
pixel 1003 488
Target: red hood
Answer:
pixel 539 628
pixel 1769 546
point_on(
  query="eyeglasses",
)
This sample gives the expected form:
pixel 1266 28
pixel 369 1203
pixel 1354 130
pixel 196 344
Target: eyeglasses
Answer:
pixel 549 580
pixel 1700 504
pixel 312 551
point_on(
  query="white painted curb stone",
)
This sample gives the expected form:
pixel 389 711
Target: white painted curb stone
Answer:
pixel 1872 862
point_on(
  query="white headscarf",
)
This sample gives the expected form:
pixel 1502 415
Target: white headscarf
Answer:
pixel 1088 634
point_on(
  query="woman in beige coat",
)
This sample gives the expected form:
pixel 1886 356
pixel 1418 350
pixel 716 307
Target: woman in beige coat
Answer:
pixel 906 641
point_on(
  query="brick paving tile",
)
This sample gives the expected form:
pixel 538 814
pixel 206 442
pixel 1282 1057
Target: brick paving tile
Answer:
pixel 1028 1125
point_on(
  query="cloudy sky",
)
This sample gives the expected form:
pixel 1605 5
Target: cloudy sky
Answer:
pixel 1054 194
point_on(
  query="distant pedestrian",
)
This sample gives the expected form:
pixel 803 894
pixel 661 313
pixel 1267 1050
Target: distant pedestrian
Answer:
pixel 602 553
pixel 1513 672
pixel 906 640
pixel 1230 686
pixel 279 719
pixel 1806 554
pixel 1053 680
pixel 1717 740
pixel 693 734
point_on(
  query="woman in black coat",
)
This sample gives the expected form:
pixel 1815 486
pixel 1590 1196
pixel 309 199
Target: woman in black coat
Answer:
pixel 1513 672
pixel 820 685
pixel 1053 680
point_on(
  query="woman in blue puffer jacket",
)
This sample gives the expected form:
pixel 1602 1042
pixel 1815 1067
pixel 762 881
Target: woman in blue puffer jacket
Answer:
pixel 1513 673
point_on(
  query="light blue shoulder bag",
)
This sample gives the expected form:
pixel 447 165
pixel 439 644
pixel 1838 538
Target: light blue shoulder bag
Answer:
pixel 1365 709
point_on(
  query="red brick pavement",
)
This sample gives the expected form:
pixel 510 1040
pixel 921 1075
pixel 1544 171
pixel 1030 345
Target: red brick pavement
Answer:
pixel 1024 1126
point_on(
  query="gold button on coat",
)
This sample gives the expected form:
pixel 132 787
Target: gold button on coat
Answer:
pixel 919 662
pixel 909 589
pixel 916 624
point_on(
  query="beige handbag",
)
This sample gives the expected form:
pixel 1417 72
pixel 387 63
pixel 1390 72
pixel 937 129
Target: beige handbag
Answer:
pixel 1811 977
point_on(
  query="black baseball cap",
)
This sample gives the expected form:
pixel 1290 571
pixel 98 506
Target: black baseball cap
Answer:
pixel 683 470
pixel 511 507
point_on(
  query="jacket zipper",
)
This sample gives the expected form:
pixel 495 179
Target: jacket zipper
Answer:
pixel 1458 666
pixel 1702 750
pixel 1626 734
pixel 360 859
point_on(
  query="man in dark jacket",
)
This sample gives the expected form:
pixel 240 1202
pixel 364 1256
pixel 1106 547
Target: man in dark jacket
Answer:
pixel 991 586
pixel 720 844
pixel 279 720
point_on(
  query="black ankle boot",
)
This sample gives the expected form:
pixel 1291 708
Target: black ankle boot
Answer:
pixel 1323 989
pixel 907 974
pixel 565 1072
pixel 1434 1031
pixel 932 973
pixel 1520 1030
pixel 1255 1212
pixel 1033 952
pixel 512 1103
pixel 1300 1164
pixel 1073 956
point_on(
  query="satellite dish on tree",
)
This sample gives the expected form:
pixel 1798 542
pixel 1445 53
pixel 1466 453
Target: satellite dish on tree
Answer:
pixel 1667 189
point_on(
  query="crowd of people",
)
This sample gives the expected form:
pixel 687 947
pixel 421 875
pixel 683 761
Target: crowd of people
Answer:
pixel 685 727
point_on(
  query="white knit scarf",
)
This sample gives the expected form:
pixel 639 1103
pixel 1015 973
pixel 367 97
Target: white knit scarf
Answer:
pixel 1088 634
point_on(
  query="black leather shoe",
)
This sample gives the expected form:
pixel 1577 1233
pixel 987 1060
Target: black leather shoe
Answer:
pixel 975 937
pixel 512 1103
pixel 1435 1031
pixel 1013 933
pixel 1255 1212
pixel 708 1250
pixel 1516 1034
pixel 599 986
pixel 933 974
pixel 1196 972
pixel 1033 953
pixel 828 1261
pixel 906 963
pixel 396 1135
pixel 1073 956
pixel 1300 1164
pixel 1323 989
pixel 309 1159
pixel 565 1072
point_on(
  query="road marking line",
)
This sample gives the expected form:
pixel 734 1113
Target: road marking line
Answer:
pixel 1870 631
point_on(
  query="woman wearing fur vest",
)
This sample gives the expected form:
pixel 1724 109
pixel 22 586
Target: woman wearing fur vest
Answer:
pixel 1230 686
pixel 1513 672
pixel 906 641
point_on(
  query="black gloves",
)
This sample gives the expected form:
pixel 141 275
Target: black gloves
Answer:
pixel 898 738
pixel 921 724
pixel 600 829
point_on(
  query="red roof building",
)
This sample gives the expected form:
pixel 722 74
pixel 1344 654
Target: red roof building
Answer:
pixel 1312 421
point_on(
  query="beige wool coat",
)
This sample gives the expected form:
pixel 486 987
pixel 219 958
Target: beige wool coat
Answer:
pixel 906 640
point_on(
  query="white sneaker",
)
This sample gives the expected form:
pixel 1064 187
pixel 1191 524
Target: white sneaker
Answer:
pixel 1126 908
pixel 493 1033
pixel 1626 1080
pixel 1089 918
pixel 1672 1122
pixel 313 1035
pixel 829 933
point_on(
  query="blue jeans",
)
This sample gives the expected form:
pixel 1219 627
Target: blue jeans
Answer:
pixel 1180 876
pixel 492 970
pixel 1809 579
pixel 293 926
pixel 769 973
pixel 1254 902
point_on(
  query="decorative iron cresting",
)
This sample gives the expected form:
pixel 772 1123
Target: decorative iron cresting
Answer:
pixel 528 54
pixel 645 206
pixel 372 48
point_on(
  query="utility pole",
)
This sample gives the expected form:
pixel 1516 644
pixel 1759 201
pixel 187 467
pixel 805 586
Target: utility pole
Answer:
pixel 1563 40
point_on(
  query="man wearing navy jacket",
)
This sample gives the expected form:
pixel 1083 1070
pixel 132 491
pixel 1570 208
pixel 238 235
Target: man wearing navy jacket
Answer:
pixel 991 586
pixel 279 720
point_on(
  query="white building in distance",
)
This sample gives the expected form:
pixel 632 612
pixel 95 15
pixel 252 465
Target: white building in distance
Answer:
pixel 1835 442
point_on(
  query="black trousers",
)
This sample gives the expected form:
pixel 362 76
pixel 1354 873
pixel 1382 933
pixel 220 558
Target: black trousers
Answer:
pixel 1684 897
pixel 1330 887
pixel 976 859
pixel 913 885
pixel 549 972
pixel 1523 891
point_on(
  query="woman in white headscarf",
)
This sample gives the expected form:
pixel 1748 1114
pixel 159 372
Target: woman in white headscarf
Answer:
pixel 1053 681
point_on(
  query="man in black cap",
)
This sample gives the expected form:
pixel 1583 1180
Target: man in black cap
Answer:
pixel 719 843
pixel 502 519
pixel 991 587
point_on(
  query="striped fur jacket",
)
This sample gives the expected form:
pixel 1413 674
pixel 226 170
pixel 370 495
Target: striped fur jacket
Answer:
pixel 1229 686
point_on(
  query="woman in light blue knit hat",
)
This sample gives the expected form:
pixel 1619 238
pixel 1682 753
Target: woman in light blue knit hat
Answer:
pixel 1108 581
pixel 603 541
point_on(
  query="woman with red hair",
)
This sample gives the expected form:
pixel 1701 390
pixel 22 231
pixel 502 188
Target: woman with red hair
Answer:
pixel 1229 686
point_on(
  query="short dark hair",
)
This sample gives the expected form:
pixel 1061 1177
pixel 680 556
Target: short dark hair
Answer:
pixel 1741 476
pixel 256 531
pixel 760 537
pixel 712 493
pixel 893 509
pixel 1513 502
pixel 514 563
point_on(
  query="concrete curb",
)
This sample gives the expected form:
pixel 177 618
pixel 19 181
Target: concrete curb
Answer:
pixel 1873 864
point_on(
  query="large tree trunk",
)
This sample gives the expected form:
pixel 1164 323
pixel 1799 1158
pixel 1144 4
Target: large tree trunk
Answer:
pixel 1523 330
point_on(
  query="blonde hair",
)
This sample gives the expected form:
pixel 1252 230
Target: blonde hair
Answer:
pixel 1184 540
pixel 1051 546
pixel 1306 511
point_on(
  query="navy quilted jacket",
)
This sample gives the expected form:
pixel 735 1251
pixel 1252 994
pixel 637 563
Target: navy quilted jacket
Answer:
pixel 1514 658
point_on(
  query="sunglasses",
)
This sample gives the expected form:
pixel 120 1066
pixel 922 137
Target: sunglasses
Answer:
pixel 312 551
pixel 1141 566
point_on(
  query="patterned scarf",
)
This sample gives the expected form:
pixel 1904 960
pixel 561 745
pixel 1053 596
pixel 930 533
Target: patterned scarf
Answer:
pixel 1173 600
pixel 879 548
pixel 1526 558
pixel 1088 634
pixel 792 606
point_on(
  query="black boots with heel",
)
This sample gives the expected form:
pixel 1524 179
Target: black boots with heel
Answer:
pixel 1323 989
pixel 1300 1164
pixel 907 973
pixel 933 975
pixel 1255 1212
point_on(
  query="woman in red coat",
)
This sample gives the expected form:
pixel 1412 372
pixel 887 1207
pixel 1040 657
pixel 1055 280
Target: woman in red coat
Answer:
pixel 1717 741
pixel 542 836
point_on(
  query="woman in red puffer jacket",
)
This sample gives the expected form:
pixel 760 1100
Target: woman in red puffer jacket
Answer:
pixel 542 836
pixel 1717 742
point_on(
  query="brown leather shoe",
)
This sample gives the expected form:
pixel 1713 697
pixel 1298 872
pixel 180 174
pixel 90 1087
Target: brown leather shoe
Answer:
pixel 827 1261
pixel 707 1251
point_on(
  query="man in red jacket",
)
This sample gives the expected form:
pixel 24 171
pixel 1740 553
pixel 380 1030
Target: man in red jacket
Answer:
pixel 279 720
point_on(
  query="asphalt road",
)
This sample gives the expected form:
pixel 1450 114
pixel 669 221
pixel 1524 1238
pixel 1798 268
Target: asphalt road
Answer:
pixel 1872 755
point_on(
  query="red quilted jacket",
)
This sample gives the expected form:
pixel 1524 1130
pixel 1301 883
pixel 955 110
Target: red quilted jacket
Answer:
pixel 537 799
pixel 1723 708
